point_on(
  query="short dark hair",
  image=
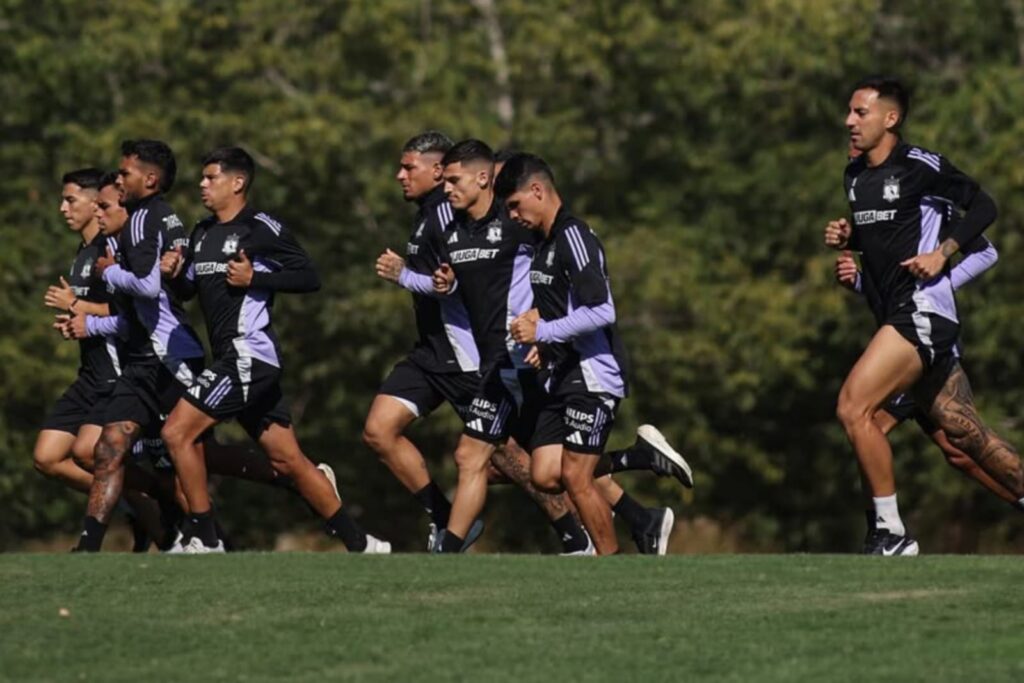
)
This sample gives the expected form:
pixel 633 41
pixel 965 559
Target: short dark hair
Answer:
pixel 891 89
pixel 468 150
pixel 85 178
pixel 107 179
pixel 431 141
pixel 518 171
pixel 156 153
pixel 234 160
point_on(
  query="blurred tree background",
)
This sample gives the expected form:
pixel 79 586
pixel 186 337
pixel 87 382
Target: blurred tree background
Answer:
pixel 703 140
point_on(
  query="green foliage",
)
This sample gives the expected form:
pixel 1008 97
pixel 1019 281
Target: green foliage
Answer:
pixel 704 142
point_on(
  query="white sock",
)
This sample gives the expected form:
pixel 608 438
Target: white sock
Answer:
pixel 887 515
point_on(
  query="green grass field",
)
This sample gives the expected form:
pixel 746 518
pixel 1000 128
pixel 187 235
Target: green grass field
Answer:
pixel 332 617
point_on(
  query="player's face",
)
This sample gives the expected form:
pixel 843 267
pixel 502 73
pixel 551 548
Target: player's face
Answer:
pixel 134 178
pixel 869 119
pixel 418 174
pixel 525 206
pixel 219 187
pixel 110 214
pixel 77 206
pixel 463 184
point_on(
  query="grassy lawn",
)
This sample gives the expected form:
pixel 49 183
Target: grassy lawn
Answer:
pixel 331 616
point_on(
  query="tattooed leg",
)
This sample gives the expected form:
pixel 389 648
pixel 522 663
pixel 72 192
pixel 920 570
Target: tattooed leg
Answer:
pixel 108 479
pixel 953 410
pixel 514 463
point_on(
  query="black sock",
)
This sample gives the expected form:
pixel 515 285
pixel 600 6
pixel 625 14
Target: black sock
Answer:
pixel 635 514
pixel 635 457
pixel 572 535
pixel 342 526
pixel 450 543
pixel 433 500
pixel 204 526
pixel 92 535
pixel 869 515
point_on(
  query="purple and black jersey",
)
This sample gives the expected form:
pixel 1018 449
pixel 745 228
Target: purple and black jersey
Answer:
pixel 238 318
pixel 900 209
pixel 445 341
pixel 491 259
pixel 100 356
pixel 571 292
pixel 157 328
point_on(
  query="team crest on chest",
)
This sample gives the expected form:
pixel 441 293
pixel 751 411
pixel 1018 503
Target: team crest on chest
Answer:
pixel 419 230
pixel 231 244
pixel 86 270
pixel 891 189
pixel 494 231
pixel 551 258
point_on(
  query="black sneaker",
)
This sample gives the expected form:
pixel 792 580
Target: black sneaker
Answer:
pixel 654 539
pixel 884 542
pixel 665 461
pixel 475 530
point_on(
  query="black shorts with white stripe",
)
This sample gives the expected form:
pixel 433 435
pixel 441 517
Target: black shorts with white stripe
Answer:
pixel 580 421
pixel 82 403
pixel 492 411
pixel 934 336
pixel 146 392
pixel 246 389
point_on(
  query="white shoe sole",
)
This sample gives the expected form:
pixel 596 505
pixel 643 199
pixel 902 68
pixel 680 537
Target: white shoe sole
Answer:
pixel 329 473
pixel 667 524
pixel 651 435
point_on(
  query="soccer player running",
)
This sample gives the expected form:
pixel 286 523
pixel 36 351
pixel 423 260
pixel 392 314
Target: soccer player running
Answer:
pixel 238 259
pixel 899 195
pixel 443 364
pixel 72 426
pixel 979 256
pixel 162 353
pixel 581 352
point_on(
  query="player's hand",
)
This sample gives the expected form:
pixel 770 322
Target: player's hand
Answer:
pixel 171 263
pixel 524 327
pixel 60 297
pixel 444 279
pixel 240 270
pixel 837 234
pixel 60 323
pixel 74 328
pixel 533 357
pixel 846 270
pixel 390 265
pixel 103 262
pixel 925 266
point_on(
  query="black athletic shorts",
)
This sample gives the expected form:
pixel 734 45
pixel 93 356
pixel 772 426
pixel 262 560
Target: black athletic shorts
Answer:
pixel 904 407
pixel 153 450
pixel 145 394
pixel 82 403
pixel 934 336
pixel 422 392
pixel 580 421
pixel 248 390
pixel 504 404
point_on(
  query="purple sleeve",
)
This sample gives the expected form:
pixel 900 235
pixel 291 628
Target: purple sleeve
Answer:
pixel 103 326
pixel 581 321
pixel 147 287
pixel 858 285
pixel 974 264
pixel 420 284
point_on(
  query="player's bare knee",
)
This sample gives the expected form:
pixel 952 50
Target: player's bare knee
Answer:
pixel 378 437
pixel 471 459
pixel 576 476
pixel 84 454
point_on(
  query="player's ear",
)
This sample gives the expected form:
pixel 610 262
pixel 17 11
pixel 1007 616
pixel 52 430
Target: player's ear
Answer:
pixel 152 180
pixel 238 184
pixel 437 171
pixel 483 178
pixel 892 118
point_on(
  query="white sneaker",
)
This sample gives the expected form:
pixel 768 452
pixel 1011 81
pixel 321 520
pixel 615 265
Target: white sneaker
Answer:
pixel 375 546
pixel 176 548
pixel 667 460
pixel 586 552
pixel 195 546
pixel 329 473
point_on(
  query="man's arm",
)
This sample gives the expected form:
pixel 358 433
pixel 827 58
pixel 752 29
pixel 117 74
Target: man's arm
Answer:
pixel 142 251
pixel 979 256
pixel 279 263
pixel 581 253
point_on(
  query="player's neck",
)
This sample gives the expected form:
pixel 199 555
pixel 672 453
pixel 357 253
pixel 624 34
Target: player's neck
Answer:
pixel 548 222
pixel 878 154
pixel 229 212
pixel 482 206
pixel 90 231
